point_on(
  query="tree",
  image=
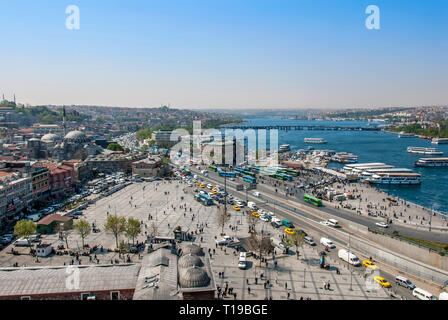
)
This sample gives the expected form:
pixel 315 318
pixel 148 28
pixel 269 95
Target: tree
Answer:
pixel 296 239
pixel 252 221
pixel 222 218
pixel 261 244
pixel 115 225
pixel 133 228
pixel 64 229
pixel 24 229
pixel 83 228
pixel 114 147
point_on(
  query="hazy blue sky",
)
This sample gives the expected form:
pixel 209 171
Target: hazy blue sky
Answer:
pixel 225 53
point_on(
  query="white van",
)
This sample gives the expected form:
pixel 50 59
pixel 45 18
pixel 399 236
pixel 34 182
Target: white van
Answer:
pixel 349 257
pixel 422 294
pixel 333 222
pixel 404 282
pixel 251 205
pixel 242 263
pixel 22 242
pixel 257 194
pixel 327 242
pixel 443 296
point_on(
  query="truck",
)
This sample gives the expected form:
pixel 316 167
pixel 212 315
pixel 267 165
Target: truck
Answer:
pixel 251 205
pixel 349 257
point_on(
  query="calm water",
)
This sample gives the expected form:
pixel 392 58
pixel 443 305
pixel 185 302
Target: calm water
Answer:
pixel 374 147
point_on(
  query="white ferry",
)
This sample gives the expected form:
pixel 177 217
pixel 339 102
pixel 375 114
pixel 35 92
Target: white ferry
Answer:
pixel 344 157
pixel 432 162
pixel 427 151
pixel 315 140
pixel 369 173
pixel 403 134
pixel 439 141
pixel 284 148
pixel 395 178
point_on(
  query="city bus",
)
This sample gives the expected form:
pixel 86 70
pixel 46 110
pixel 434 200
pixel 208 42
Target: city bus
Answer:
pixel 229 174
pixel 313 200
pixel 213 168
pixel 249 173
pixel 293 172
pixel 205 199
pixel 250 179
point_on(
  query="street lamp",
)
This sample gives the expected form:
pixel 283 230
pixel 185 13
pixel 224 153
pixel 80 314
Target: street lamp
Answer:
pixel 351 289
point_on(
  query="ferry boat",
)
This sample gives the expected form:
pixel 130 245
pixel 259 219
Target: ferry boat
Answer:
pixel 403 134
pixel 439 141
pixel 345 157
pixel 432 162
pixel 422 150
pixel 315 140
pixel 395 178
pixel 284 148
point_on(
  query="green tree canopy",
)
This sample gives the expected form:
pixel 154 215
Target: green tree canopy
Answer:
pixel 115 225
pixel 115 147
pixel 83 228
pixel 133 228
pixel 24 229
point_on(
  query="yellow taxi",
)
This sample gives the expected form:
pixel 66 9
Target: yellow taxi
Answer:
pixel 289 231
pixel 383 282
pixel 198 183
pixel 255 214
pixel 369 264
pixel 201 186
pixel 236 208
pixel 214 192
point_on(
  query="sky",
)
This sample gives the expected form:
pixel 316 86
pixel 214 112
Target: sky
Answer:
pixel 234 54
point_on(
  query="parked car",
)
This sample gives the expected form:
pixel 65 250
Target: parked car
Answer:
pixel 382 224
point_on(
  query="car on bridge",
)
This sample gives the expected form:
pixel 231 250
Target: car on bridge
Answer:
pixel 382 224
pixel 369 264
pixel 382 282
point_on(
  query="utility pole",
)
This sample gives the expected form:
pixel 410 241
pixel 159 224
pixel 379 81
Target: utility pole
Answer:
pixel 351 289
pixel 430 218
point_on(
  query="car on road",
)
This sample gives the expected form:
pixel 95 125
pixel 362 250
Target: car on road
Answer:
pixel 289 231
pixel 423 294
pixel 264 218
pixel 369 264
pixel 325 223
pixel 224 241
pixel 404 282
pixel 381 281
pixel 327 243
pixel 257 194
pixel 382 224
pixel 236 208
pixel 310 241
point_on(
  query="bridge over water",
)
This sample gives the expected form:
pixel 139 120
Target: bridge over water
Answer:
pixel 302 127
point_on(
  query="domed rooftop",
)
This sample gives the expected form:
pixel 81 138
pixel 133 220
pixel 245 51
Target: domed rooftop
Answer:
pixel 194 277
pixel 189 260
pixel 76 136
pixel 192 249
pixel 50 137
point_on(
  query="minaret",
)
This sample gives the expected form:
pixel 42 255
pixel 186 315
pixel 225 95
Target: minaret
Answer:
pixel 64 125
pixel 14 98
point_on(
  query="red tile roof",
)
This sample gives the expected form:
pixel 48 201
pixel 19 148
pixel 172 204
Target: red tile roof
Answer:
pixel 53 217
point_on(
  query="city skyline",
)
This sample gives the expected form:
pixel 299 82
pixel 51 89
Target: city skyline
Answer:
pixel 226 54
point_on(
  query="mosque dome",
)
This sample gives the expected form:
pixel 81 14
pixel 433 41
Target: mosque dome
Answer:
pixel 194 277
pixel 189 260
pixel 76 136
pixel 192 249
pixel 50 137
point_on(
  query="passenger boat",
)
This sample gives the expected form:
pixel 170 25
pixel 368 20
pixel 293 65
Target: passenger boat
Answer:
pixel 284 148
pixel 344 157
pixel 395 178
pixel 403 134
pixel 439 141
pixel 432 162
pixel 427 151
pixel 315 140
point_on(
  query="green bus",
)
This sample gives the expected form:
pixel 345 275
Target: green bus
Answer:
pixel 313 200
pixel 213 168
pixel 292 172
pixel 249 173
